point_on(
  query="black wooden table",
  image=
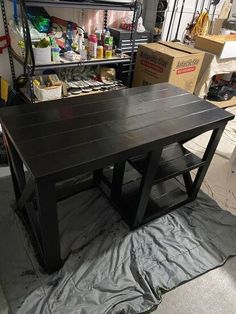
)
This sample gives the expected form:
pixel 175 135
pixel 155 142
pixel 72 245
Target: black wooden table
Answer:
pixel 146 126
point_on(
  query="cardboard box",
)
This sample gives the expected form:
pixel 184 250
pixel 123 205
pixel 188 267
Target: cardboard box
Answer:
pixel 168 62
pixel 224 46
pixel 217 26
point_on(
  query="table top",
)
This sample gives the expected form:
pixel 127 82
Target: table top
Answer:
pixel 62 138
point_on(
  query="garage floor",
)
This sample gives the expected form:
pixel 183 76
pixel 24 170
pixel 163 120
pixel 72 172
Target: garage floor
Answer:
pixel 214 292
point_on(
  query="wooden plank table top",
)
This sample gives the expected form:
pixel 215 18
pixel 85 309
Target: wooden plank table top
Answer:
pixel 62 139
pixel 68 136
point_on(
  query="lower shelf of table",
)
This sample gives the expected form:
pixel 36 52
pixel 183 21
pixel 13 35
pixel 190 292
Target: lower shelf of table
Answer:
pixel 164 197
pixel 175 160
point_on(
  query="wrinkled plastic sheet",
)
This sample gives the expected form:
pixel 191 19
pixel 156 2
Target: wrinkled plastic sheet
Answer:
pixel 111 269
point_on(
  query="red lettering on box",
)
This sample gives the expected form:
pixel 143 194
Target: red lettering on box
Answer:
pixel 153 66
pixel 186 70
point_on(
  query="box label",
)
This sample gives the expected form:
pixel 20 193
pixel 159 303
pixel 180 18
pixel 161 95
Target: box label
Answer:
pixel 186 70
pixel 153 66
pixel 187 63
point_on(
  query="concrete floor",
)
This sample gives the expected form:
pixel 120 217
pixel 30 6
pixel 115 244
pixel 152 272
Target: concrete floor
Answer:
pixel 4 171
pixel 214 292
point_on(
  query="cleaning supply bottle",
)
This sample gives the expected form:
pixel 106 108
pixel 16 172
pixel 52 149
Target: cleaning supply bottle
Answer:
pixel 86 44
pixel 100 50
pixel 106 36
pixel 80 42
pixel 55 51
pixel 93 43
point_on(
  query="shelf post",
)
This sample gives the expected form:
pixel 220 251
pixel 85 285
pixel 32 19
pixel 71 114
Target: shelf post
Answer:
pixel 137 12
pixel 4 18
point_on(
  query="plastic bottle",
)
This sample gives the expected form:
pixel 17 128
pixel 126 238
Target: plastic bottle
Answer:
pixel 93 43
pixel 80 42
pixel 103 37
pixel 86 45
pixel 107 34
pixel 84 53
pixel 100 51
pixel 55 51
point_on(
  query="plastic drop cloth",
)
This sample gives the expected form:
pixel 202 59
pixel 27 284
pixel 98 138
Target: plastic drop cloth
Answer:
pixel 110 269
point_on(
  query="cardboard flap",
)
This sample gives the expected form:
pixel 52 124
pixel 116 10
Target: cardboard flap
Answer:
pixel 219 38
pixel 164 49
pixel 180 47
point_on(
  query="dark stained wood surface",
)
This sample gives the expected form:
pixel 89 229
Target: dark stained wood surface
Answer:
pixel 61 138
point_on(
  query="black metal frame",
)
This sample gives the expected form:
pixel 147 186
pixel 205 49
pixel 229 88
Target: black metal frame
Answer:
pixel 4 17
pixel 29 69
pixel 138 215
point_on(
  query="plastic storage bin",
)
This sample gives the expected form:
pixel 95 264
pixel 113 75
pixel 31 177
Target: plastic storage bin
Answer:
pixel 49 93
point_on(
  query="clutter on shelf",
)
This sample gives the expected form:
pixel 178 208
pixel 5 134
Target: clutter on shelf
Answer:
pixel 55 40
pixel 75 81
pixel 47 87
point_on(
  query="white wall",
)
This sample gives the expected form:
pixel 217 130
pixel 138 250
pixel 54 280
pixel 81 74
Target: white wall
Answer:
pixel 233 12
pixel 149 13
pixel 4 59
pixel 152 4
pixel 186 18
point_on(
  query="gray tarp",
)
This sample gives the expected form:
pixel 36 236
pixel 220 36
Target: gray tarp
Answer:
pixel 113 270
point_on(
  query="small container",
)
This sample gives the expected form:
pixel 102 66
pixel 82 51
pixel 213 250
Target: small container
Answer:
pixel 98 34
pixel 103 37
pixel 108 47
pixel 109 40
pixel 84 54
pixel 85 41
pixel 108 51
pixel 100 51
pixel 70 55
pixel 93 43
pixel 108 54
pixel 55 54
pixel 80 43
pixel 42 55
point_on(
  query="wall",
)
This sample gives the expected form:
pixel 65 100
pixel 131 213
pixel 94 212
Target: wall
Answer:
pixel 233 12
pixel 89 19
pixel 149 12
pixel 186 18
pixel 4 61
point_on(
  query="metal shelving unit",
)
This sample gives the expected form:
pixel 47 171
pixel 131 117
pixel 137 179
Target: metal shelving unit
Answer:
pixel 68 64
pixel 81 5
pixel 29 66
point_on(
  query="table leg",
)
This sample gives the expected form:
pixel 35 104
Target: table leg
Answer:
pixel 146 185
pixel 97 175
pixel 48 224
pixel 188 182
pixel 16 167
pixel 208 155
pixel 117 180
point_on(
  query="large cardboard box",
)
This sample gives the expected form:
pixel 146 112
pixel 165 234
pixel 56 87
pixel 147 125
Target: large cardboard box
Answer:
pixel 224 46
pixel 217 26
pixel 170 62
